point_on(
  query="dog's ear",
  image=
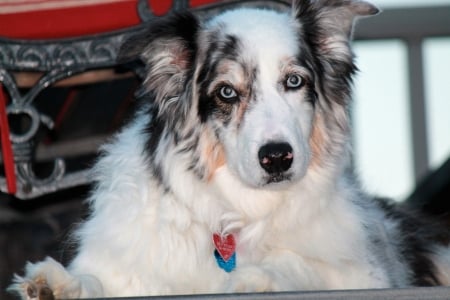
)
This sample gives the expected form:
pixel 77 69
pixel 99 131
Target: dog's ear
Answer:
pixel 167 49
pixel 335 17
pixel 173 35
pixel 328 27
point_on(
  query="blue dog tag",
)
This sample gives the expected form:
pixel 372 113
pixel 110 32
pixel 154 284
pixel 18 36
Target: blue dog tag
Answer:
pixel 227 266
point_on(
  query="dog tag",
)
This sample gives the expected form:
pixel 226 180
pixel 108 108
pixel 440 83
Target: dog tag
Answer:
pixel 228 265
pixel 225 245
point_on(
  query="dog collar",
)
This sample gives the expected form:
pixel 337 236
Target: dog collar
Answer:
pixel 225 251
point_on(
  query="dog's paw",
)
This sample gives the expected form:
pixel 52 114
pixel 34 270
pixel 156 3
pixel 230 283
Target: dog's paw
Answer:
pixel 251 280
pixel 46 280
pixel 37 289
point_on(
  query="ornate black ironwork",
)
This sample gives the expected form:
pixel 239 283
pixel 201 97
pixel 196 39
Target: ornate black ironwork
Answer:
pixel 57 60
pixel 144 11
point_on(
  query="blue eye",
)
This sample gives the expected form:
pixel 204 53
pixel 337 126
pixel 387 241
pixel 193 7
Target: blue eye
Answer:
pixel 294 81
pixel 227 93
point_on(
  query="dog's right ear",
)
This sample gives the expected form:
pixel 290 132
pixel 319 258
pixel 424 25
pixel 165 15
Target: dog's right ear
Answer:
pixel 167 49
pixel 163 34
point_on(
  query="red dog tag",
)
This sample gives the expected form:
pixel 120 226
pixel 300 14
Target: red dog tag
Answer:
pixel 225 245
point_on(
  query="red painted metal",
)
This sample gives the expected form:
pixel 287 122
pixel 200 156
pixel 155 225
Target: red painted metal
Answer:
pixel 67 22
pixel 7 152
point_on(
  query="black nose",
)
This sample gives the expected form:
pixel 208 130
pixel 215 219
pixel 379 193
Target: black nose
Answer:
pixel 275 157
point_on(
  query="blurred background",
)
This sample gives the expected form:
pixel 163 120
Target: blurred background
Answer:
pixel 400 115
pixel 401 106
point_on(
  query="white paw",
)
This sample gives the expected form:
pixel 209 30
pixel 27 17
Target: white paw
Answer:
pixel 46 280
pixel 37 289
pixel 250 280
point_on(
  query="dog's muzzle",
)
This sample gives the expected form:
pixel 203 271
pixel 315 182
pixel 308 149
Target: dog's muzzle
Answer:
pixel 276 159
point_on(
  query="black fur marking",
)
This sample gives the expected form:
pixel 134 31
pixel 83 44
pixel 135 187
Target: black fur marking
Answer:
pixel 179 28
pixel 180 25
pixel 418 235
pixel 154 132
pixel 303 59
pixel 334 76
pixel 230 48
pixel 220 48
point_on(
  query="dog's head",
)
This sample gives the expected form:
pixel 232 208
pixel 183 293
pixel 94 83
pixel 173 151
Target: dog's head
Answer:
pixel 261 91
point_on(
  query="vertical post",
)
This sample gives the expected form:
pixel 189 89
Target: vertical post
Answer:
pixel 7 152
pixel 418 108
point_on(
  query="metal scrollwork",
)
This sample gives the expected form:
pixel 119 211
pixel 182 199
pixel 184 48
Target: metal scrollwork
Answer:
pixel 23 148
pixel 101 51
pixel 30 183
pixel 146 14
pixel 144 11
pixel 32 56
pixel 69 55
pixel 95 52
pixel 10 84
pixel 35 117
pixel 56 60
pixel 6 55
pixel 180 5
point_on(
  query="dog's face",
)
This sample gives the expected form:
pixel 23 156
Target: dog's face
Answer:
pixel 263 92
pixel 257 95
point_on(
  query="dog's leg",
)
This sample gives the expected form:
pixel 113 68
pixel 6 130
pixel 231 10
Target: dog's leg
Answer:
pixel 49 280
pixel 250 279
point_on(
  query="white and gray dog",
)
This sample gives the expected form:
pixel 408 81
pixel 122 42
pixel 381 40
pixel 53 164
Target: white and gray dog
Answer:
pixel 232 175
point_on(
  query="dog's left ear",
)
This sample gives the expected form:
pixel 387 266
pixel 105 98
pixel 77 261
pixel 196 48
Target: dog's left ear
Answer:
pixel 335 17
pixel 329 23
pixel 167 49
pixel 328 26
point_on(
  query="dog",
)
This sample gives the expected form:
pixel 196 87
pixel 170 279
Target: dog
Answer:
pixel 234 176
